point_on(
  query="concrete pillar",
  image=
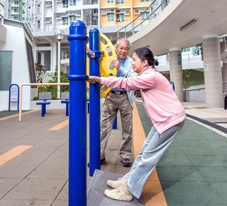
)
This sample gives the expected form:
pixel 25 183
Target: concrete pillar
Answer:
pixel 212 71
pixel 176 72
pixel 224 72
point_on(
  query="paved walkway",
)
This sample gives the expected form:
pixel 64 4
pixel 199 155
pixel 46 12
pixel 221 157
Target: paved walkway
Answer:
pixel 34 160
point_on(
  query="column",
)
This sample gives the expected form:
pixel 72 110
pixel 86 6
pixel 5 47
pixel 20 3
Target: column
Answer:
pixel 212 71
pixel 224 72
pixel 176 72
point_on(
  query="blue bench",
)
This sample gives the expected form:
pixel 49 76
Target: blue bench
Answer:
pixel 44 96
pixel 65 100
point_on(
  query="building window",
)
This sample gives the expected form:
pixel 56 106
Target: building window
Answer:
pixel 110 17
pixel 120 2
pixel 72 19
pixel 16 18
pixel 15 10
pixel 110 1
pixel 65 21
pixel 144 16
pixel 38 9
pixel 38 24
pixel 144 0
pixel 16 2
pixel 65 4
pixel 5 70
pixel 23 11
pixel 120 17
pixel 72 2
pixel 95 11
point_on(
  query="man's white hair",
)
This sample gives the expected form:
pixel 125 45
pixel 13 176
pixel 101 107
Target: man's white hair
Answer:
pixel 123 39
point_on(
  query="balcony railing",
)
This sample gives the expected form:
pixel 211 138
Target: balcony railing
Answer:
pixel 130 28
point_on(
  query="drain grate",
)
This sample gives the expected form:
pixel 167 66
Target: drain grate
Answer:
pixel 96 197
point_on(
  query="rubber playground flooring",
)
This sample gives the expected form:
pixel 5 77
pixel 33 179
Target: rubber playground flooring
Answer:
pixel 10 113
pixel 193 170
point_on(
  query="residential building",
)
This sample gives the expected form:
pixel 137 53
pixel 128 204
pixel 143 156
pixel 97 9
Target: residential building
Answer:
pixel 16 10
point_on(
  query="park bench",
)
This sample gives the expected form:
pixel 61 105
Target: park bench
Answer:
pixel 65 100
pixel 44 96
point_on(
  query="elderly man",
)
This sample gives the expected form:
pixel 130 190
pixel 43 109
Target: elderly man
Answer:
pixel 119 100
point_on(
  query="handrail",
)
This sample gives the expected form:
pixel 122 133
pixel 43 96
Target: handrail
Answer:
pixel 132 22
pixel 149 15
pixel 137 16
pixel 33 84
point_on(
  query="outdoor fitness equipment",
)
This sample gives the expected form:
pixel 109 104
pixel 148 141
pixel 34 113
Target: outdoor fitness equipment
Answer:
pixel 99 53
pixel 106 65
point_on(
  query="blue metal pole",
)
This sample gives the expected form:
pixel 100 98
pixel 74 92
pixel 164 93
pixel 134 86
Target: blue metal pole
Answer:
pixel 115 123
pixel 94 90
pixel 77 115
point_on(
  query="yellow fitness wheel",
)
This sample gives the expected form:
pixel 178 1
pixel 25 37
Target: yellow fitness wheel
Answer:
pixel 106 66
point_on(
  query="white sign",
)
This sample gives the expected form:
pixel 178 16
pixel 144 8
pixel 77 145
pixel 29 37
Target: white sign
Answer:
pixel 14 93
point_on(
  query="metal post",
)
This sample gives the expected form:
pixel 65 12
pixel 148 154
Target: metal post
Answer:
pixel 77 115
pixel 59 65
pixel 133 28
pixel 94 90
pixel 125 33
pixel 117 35
pixel 149 14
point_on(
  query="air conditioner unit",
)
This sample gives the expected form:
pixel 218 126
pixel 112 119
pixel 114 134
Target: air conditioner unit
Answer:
pixel 103 12
pixel 127 12
pixel 48 4
pixel 137 11
pixel 58 16
pixel 48 21
pixel 118 20
pixel 58 1
pixel 78 13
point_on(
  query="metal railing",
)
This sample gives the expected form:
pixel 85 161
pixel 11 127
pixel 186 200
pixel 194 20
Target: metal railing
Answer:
pixel 132 26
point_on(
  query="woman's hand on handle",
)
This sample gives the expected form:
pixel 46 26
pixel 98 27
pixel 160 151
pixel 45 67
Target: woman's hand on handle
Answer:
pixel 94 79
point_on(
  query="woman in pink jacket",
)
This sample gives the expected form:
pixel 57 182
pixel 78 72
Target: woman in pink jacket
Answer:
pixel 165 113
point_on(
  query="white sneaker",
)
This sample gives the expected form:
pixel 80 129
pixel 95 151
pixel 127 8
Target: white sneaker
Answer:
pixel 118 183
pixel 121 193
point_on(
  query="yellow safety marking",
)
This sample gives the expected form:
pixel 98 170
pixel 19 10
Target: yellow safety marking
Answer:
pixel 152 192
pixel 13 153
pixel 15 115
pixel 224 115
pixel 60 126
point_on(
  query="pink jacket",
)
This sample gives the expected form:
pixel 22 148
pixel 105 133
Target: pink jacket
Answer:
pixel 162 106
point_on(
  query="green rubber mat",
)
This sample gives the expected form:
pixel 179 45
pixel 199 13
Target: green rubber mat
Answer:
pixel 10 113
pixel 192 171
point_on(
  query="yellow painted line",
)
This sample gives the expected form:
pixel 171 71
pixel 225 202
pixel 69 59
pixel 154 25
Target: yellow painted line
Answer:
pixel 60 126
pixel 202 110
pixel 13 153
pixel 152 192
pixel 15 115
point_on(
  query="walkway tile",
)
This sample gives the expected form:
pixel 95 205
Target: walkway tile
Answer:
pixel 190 193
pixel 214 173
pixel 179 173
pixel 220 188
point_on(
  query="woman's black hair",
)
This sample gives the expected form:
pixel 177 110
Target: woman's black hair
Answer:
pixel 146 54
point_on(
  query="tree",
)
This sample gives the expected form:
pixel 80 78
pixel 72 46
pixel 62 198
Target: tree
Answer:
pixel 40 72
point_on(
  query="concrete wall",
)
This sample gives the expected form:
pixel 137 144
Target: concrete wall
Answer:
pixel 15 42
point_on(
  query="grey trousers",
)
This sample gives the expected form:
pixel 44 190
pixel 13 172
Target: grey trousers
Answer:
pixel 151 152
pixel 112 105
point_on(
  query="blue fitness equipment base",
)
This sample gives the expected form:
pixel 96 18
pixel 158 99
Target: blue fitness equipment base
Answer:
pixel 95 194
